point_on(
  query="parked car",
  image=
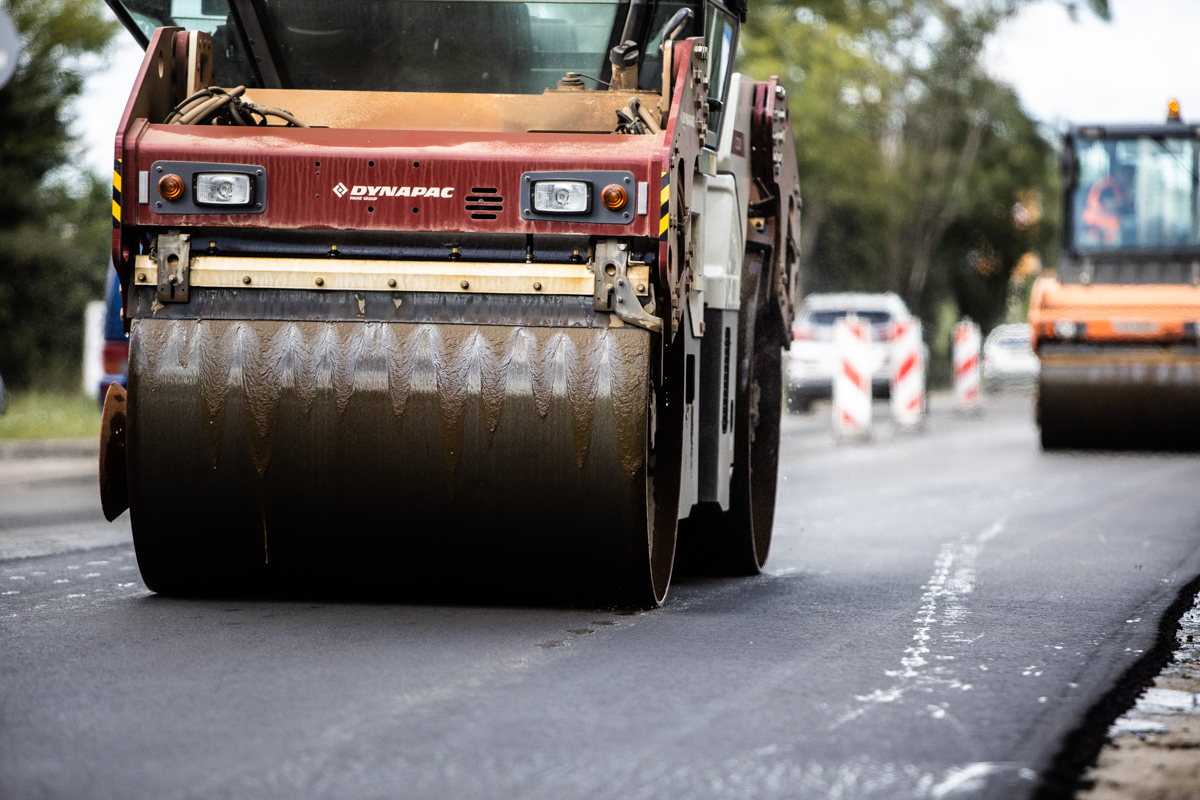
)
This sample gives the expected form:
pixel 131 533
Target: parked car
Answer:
pixel 1008 358
pixel 811 359
pixel 115 354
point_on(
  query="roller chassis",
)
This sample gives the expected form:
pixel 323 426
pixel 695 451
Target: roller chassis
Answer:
pixel 501 382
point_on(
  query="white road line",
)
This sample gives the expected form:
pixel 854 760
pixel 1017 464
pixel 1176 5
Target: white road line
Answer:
pixel 942 611
pixel 970 778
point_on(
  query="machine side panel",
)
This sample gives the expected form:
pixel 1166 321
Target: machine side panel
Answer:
pixel 774 165
pixel 693 451
pixel 733 156
pixel 723 245
pixel 1115 313
pixel 719 357
pixel 1131 268
pixel 680 158
pixel 150 98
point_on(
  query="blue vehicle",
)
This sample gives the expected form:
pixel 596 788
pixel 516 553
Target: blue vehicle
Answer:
pixel 116 341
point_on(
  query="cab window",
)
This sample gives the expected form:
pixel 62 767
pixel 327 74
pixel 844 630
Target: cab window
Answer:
pixel 720 33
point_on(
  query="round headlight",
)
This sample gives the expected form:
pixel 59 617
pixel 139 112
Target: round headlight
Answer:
pixel 1065 329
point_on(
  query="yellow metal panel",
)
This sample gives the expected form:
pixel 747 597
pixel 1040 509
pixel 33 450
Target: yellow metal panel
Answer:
pixel 384 276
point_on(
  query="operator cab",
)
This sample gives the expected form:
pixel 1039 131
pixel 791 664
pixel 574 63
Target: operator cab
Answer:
pixel 444 46
pixel 1132 210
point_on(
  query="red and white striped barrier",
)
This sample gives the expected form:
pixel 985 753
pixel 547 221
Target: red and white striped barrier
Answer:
pixel 908 373
pixel 852 378
pixel 966 364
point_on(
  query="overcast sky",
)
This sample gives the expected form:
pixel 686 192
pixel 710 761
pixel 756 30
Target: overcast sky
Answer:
pixel 1093 71
pixel 1085 71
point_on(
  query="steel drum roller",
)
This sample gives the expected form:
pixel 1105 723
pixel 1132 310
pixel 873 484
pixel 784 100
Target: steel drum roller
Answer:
pixel 396 454
pixel 1119 398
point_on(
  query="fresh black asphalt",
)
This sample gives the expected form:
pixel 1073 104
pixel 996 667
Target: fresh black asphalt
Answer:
pixel 940 612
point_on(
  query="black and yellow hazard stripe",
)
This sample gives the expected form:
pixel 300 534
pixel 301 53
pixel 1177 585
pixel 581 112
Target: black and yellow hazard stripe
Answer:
pixel 665 199
pixel 116 207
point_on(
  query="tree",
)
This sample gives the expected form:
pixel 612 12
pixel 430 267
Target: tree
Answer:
pixel 918 170
pixel 53 240
pixel 838 89
pixel 1009 212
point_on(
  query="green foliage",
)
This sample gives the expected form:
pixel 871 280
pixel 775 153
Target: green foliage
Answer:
pixel 1098 7
pixel 53 241
pixel 51 265
pixel 920 173
pixel 846 188
pixel 1011 209
pixel 50 415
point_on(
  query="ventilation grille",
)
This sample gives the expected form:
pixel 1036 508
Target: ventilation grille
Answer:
pixel 484 203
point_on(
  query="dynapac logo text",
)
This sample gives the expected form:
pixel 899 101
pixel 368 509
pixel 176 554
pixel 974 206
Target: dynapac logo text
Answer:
pixel 375 192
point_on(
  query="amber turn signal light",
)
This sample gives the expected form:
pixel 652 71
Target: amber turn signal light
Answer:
pixel 170 186
pixel 614 197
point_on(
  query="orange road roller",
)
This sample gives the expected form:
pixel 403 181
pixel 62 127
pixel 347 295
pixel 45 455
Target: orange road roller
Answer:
pixel 1116 327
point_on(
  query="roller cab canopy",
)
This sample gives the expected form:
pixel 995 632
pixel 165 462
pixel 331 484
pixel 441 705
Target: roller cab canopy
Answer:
pixel 1131 203
pixel 452 46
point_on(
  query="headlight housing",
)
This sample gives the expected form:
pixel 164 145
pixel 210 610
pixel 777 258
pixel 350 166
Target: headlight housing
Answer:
pixel 562 197
pixel 577 197
pixel 204 187
pixel 223 188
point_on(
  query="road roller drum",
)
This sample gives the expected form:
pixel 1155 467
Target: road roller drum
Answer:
pixel 516 451
pixel 1119 398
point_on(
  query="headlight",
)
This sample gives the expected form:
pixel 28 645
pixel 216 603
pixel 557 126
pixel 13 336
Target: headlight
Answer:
pixel 223 189
pixel 1065 329
pixel 561 197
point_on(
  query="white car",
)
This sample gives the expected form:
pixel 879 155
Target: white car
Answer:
pixel 811 358
pixel 1008 358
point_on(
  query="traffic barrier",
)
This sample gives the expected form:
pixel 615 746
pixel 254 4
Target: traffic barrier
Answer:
pixel 966 364
pixel 852 379
pixel 908 373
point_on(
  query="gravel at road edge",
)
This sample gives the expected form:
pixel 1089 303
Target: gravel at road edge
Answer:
pixel 1153 750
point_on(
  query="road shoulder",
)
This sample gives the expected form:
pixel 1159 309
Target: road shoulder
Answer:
pixel 50 500
pixel 1153 750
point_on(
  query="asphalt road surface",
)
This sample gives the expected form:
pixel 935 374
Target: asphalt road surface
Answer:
pixel 941 610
